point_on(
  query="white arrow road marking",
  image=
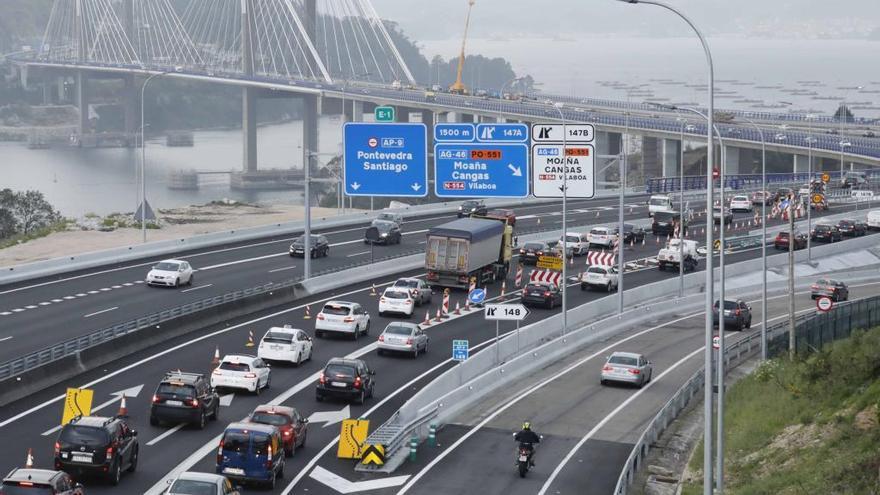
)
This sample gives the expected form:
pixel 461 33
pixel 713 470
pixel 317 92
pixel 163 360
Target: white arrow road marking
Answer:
pixel 165 435
pixel 129 393
pixel 330 417
pixel 342 485
pixel 517 171
pixel 226 400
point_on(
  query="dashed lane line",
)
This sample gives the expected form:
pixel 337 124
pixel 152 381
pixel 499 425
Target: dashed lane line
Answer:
pixel 96 313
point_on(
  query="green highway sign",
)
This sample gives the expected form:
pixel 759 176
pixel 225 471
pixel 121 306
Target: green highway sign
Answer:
pixel 384 114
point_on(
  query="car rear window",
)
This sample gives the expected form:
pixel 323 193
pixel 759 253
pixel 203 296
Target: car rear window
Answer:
pixel 846 222
pixel 625 360
pixel 398 330
pixel 236 441
pixel 278 337
pixel 176 389
pixel 728 304
pixel 340 370
pixel 270 419
pixel 12 488
pixel 407 283
pixel 598 232
pixel 226 365
pixel 336 310
pixel 84 435
pixel 740 198
pixel 572 238
pixel 536 246
pixel 596 269
pixel 168 267
pixel 192 487
pixel 261 443
pixel 396 294
pixel 823 227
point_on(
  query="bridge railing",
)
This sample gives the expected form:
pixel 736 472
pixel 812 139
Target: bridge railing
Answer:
pixel 737 182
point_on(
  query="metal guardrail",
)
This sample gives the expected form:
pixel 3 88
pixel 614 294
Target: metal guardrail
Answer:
pixel 394 436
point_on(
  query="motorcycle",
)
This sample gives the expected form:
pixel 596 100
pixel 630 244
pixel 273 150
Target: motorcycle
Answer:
pixel 524 458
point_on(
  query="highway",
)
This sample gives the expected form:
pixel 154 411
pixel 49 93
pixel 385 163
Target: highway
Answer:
pixel 23 423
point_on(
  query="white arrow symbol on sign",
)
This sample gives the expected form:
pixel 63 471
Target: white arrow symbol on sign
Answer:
pixel 342 485
pixel 330 417
pixel 129 393
pixel 517 171
pixel 226 400
pixel 416 186
pixel 355 186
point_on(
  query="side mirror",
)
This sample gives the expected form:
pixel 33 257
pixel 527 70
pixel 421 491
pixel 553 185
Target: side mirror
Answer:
pixel 372 372
pixel 305 420
pixel 79 486
pixel 134 432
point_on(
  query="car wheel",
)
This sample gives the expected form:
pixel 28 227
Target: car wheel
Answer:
pixel 216 415
pixel 271 484
pixel 302 442
pixel 425 350
pixel 371 390
pixel 203 420
pixel 268 382
pixel 177 282
pixel 154 421
pixel 257 388
pixel 289 452
pixel 380 352
pixel 116 473
pixel 749 324
pixel 584 286
pixel 549 304
pixel 133 464
pixel 608 287
pixel 357 332
pixel 319 397
pixel 367 329
pixel 190 281
pixel 415 354
pixel 603 382
pixel 362 398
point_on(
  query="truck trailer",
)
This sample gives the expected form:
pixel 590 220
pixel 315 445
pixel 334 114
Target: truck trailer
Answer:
pixel 465 248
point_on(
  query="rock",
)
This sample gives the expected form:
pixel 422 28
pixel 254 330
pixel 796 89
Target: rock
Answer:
pixel 659 470
pixel 656 487
pixel 866 419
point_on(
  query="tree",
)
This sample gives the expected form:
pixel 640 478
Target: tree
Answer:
pixel 32 212
pixel 7 224
pixel 844 113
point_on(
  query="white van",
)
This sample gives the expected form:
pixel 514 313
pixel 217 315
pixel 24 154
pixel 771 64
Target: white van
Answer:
pixel 874 219
pixel 659 202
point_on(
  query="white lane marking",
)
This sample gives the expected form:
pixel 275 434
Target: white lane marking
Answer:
pixel 342 485
pixel 165 435
pixel 608 417
pixel 130 393
pixel 197 288
pixel 4 339
pixel 238 262
pixel 105 289
pixel 81 294
pixel 423 242
pixel 68 298
pixel 30 306
pixel 101 312
pixel 352 255
pixel 58 300
pixel 138 281
pixel 18 310
pixel 45 303
pixel 94 292
pixel 282 269
pixel 117 287
pixel 128 284
pixel 6 313
pixel 527 217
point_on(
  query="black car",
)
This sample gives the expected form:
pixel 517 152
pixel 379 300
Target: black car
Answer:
pixel 345 379
pixel 542 294
pixel 184 398
pixel 782 193
pixel 825 287
pixel 97 445
pixel 383 232
pixel 472 207
pixel 852 228
pixel 631 233
pixel 826 233
pixel 21 481
pixel 719 213
pixel 531 251
pixel 319 247
pixel 737 315
pixel 664 222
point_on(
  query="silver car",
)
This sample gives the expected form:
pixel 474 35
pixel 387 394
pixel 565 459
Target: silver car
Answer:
pixel 627 367
pixel 403 337
pixel 418 288
pixel 208 484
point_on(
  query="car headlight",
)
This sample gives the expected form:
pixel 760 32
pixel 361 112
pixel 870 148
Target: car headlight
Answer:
pixel 383 235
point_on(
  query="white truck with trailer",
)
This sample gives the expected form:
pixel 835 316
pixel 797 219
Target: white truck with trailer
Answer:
pixel 465 248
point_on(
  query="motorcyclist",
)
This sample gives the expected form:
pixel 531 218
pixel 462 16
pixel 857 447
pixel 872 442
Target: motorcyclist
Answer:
pixel 529 439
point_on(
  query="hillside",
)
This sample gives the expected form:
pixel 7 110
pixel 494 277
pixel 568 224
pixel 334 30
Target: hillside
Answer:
pixel 22 22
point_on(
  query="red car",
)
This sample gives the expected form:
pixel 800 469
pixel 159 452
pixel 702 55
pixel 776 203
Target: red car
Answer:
pixel 292 425
pixel 501 213
pixel 781 241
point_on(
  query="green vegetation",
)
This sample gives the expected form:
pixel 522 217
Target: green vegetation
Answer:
pixel 25 213
pixel 808 426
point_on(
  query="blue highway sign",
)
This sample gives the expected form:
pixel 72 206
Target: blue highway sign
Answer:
pixel 459 133
pixel 494 133
pixel 484 170
pixel 386 159
pixel 477 296
pixel 460 350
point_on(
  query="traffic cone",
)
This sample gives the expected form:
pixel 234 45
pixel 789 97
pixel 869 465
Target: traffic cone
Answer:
pixel 308 315
pixel 643 241
pixel 29 461
pixel 597 214
pixel 439 316
pixel 656 240
pixel 457 309
pixel 632 242
pixel 123 409
pixel 373 290
pixel 503 289
pixel 467 304
pixel 216 360
pixel 427 321
pixel 539 220
pixel 250 342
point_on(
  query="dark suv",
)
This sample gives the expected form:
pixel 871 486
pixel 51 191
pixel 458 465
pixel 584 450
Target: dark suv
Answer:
pixel 826 233
pixel 665 221
pixel 852 228
pixel 184 398
pixel 97 445
pixel 737 315
pixel 346 379
pixel 472 207
pixel 39 482
pixel 318 245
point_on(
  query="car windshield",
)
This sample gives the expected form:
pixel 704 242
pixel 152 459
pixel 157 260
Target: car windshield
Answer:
pixel 470 204
pixel 336 310
pixel 339 370
pixel 499 213
pixel 740 198
pixel 166 267
pixel 624 360
pixel 411 284
pixel 176 390
pixel 270 419
pixel 398 330
pixel 572 238
pixel 665 216
pixel 659 201
pixel 822 281
pixel 12 488
pixel 598 232
pixel 228 366
pixel 846 223
pixel 387 216
pixel 302 240
pixel 84 435
pixel 538 287
pixel 396 294
pixel 383 225
pixel 597 269
pixel 533 246
pixel 278 337
pixel 823 227
pixel 193 487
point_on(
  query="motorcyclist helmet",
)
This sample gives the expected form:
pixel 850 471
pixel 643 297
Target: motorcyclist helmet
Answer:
pixel 527 426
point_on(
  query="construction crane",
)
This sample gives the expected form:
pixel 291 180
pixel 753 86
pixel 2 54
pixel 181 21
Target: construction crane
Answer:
pixel 458 87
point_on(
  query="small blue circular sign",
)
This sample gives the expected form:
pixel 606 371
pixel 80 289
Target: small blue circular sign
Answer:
pixel 477 296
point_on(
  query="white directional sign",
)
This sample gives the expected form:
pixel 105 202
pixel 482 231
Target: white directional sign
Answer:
pixel 509 312
pixel 548 164
pixel 573 133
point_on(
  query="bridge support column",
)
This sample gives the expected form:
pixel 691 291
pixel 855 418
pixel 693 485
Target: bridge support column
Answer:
pixel 671 157
pixel 131 107
pixel 652 161
pixel 732 163
pixel 487 119
pixel 61 89
pixel 800 163
pixel 310 131
pixel 82 102
pixel 249 128
pixel 47 92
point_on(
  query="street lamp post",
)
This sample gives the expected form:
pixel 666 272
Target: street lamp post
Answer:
pixel 810 140
pixel 144 159
pixel 707 394
pixel 681 208
pixel 558 107
pixel 789 210
pixel 621 268
pixel 508 83
pixel 763 238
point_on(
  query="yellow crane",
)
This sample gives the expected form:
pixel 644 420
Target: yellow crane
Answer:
pixel 458 87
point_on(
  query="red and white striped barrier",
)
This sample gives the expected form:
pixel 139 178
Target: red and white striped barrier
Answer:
pixel 604 259
pixel 545 276
pixel 445 303
pixel 518 280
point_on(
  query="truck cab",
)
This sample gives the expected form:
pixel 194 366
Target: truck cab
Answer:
pixel 659 202
pixel 672 254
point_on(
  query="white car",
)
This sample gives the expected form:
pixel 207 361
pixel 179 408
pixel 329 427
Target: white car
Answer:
pixel 396 300
pixel 874 220
pixel 741 203
pixel 418 288
pixel 170 273
pixel 203 483
pixel 241 371
pixel 601 236
pixel 342 317
pixel 285 344
pixel 600 277
pixel 391 217
pixel 575 243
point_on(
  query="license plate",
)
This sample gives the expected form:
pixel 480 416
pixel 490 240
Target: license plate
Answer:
pixel 726 312
pixel 82 457
pixel 275 347
pixel 523 458
pixel 174 402
pixel 237 471
pixel 339 384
